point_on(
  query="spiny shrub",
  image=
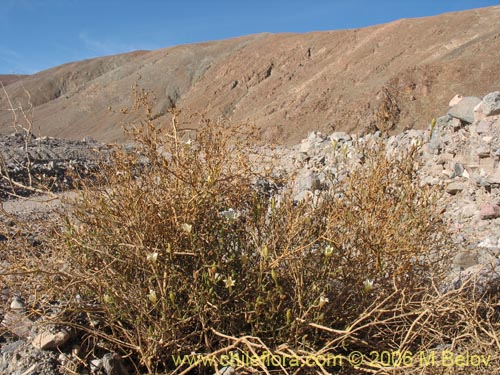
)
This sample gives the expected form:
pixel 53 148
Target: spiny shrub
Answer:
pixel 173 249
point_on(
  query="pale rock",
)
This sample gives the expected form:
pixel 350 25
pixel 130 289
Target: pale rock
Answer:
pixel 18 324
pixel 488 256
pixel 17 303
pixel 305 146
pixel 469 210
pixel 96 365
pixel 484 126
pixel 464 259
pixel 340 137
pixel 464 110
pixel 483 152
pixel 48 340
pixel 455 100
pixel 490 242
pixel 455 188
pixel 113 364
pixel 458 170
pixel 489 106
pixel 489 211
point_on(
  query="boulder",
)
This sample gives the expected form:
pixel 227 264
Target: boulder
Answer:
pixel 464 110
pixel 489 106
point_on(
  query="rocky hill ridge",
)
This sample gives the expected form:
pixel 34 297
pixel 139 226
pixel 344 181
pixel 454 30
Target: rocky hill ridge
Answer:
pixel 393 75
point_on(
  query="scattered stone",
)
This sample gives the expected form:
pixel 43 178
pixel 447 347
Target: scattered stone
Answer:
pixel 484 127
pixel 455 188
pixel 464 259
pixel 48 340
pixel 17 303
pixel 113 364
pixel 96 365
pixel 490 104
pixel 464 109
pixel 483 152
pixel 458 170
pixel 18 324
pixel 489 211
pixel 340 137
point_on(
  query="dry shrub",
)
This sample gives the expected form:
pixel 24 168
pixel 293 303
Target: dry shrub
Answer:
pixel 175 249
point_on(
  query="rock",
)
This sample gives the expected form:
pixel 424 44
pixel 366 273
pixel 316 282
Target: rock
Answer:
pixel 458 170
pixel 483 152
pixel 309 180
pixel 490 105
pixel 340 137
pixel 496 154
pixel 489 211
pixel 488 256
pixel 113 364
pixel 305 146
pixel 479 278
pixel 490 242
pixel 48 340
pixel 17 303
pixel 96 365
pixel 456 99
pixel 455 188
pixel 18 324
pixel 464 259
pixel 469 210
pixel 484 126
pixel 464 110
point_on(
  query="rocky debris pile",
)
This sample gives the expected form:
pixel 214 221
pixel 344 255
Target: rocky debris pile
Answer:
pixel 45 162
pixel 34 346
pixel 459 153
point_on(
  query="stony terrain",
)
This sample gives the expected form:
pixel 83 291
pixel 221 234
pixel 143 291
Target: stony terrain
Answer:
pixel 460 154
pixel 400 74
pixel 49 160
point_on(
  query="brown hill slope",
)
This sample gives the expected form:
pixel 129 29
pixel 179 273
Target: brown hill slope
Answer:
pixel 7 79
pixel 288 84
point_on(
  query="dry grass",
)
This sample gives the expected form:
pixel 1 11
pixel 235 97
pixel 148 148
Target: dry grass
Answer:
pixel 175 250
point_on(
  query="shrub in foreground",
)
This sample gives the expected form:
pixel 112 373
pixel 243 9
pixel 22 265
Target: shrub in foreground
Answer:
pixel 175 250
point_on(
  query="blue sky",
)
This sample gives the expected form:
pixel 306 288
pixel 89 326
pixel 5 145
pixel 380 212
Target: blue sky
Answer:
pixel 39 34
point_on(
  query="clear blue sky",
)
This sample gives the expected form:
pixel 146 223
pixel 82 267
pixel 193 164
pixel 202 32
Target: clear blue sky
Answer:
pixel 39 34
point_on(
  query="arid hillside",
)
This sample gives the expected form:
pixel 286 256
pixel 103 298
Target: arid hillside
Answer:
pixel 7 79
pixel 392 75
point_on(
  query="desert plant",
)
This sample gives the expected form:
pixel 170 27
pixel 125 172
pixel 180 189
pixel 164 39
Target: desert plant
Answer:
pixel 174 249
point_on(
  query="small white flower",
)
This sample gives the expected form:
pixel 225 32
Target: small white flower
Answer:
pixel 152 296
pixel 107 298
pixel 229 282
pixel 152 257
pixel 328 251
pixel 323 301
pixel 188 142
pixel 186 227
pixel 368 284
